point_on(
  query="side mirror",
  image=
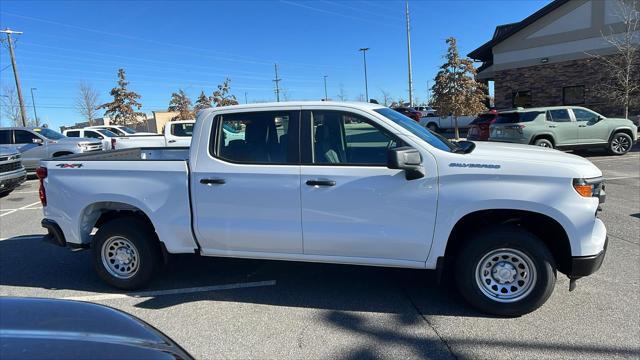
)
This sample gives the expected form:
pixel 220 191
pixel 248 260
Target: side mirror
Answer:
pixel 407 159
pixel 599 117
pixel 37 141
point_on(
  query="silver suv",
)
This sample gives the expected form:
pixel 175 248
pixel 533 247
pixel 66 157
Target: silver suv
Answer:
pixel 37 143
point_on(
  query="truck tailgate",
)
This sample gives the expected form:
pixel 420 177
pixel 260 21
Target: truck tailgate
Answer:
pixel 78 189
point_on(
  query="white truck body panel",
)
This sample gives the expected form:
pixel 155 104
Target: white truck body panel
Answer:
pixel 447 122
pixel 374 216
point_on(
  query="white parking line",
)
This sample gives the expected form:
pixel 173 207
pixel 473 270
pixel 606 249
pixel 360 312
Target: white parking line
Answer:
pixel 192 290
pixel 22 208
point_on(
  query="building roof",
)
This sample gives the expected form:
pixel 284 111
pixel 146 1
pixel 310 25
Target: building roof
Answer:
pixel 502 32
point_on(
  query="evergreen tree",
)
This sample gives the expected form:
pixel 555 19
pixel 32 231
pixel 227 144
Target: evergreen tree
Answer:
pixel 121 109
pixel 203 102
pixel 221 97
pixel 181 104
pixel 456 90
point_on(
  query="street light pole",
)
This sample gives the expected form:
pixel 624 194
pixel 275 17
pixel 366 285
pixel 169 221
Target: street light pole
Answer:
pixel 325 88
pixel 23 112
pixel 366 86
pixel 33 102
pixel 409 55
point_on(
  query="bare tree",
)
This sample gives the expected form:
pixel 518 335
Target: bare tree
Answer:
pixel 11 106
pixel 622 68
pixel 386 97
pixel 87 102
pixel 342 95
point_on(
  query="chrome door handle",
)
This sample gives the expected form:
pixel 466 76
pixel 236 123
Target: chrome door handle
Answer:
pixel 552 126
pixel 320 182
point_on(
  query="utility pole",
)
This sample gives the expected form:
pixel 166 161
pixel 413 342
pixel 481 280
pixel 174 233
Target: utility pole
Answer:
pixel 325 88
pixel 23 112
pixel 366 86
pixel 245 97
pixel 33 102
pixel 409 55
pixel 277 81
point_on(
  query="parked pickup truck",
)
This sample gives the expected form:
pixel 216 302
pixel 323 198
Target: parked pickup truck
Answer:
pixel 12 173
pixel 360 183
pixel 435 123
pixel 176 134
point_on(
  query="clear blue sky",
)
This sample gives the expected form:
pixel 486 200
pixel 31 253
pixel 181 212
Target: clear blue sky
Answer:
pixel 171 45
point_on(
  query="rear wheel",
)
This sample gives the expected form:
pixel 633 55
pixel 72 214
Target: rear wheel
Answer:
pixel 507 271
pixel 126 253
pixel 433 127
pixel 544 143
pixel 620 144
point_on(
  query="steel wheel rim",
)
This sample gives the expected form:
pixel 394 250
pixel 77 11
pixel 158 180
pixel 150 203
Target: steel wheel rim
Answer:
pixel 620 144
pixel 544 144
pixel 505 275
pixel 120 257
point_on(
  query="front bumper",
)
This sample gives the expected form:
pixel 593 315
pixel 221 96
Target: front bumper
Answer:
pixel 586 265
pixel 12 180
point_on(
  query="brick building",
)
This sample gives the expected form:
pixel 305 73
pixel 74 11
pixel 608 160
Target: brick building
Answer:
pixel 547 59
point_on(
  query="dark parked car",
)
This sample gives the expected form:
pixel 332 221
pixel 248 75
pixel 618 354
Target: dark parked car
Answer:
pixel 409 112
pixel 479 127
pixel 33 328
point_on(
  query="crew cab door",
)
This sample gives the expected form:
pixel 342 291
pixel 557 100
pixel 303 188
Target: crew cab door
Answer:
pixel 352 204
pixel 245 190
pixel 32 147
pixel 179 134
pixel 563 128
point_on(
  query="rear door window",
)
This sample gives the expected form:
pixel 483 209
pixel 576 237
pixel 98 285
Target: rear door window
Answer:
pixel 517 117
pixel 261 137
pixel 182 130
pixel 73 133
pixel 559 115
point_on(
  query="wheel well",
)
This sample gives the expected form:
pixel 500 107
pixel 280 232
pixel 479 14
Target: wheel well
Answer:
pixel 545 228
pixel 543 136
pixel 97 214
pixel 626 131
pixel 432 123
pixel 62 153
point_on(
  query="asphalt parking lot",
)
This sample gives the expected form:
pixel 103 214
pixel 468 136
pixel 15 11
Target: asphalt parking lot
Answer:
pixel 226 308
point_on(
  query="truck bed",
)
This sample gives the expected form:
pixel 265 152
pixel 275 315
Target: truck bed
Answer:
pixel 152 154
pixel 154 181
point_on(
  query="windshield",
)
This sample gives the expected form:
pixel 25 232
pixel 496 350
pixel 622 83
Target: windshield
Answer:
pixel 417 130
pixel 49 134
pixel 106 132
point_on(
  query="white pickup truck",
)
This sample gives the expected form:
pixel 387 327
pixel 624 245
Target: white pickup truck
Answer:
pixel 349 183
pixel 436 123
pixel 176 134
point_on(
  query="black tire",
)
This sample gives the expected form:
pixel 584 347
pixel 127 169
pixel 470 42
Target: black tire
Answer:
pixel 137 234
pixel 433 127
pixel 535 288
pixel 544 143
pixel 620 144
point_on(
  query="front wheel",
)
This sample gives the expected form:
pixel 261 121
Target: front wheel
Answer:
pixel 126 253
pixel 620 144
pixel 544 143
pixel 507 271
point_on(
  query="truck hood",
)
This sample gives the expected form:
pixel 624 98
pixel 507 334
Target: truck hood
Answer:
pixel 76 140
pixel 543 159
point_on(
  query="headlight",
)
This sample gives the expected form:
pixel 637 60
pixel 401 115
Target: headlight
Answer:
pixel 588 187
